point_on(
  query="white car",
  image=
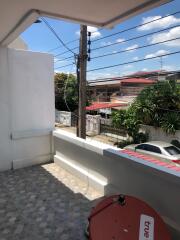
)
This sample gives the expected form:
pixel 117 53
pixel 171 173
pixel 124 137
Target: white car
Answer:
pixel 158 149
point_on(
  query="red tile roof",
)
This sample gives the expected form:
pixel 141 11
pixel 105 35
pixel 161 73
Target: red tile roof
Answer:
pixel 102 105
pixel 138 80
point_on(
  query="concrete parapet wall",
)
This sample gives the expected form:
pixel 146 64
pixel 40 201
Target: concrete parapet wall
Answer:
pixel 156 185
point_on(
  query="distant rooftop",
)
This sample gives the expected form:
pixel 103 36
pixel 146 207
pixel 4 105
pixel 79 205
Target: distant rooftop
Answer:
pixel 138 80
pixel 145 75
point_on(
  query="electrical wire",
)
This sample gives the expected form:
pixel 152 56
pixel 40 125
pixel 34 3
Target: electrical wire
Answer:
pixel 75 40
pixel 65 66
pixel 134 38
pixel 63 59
pixel 124 41
pixel 136 26
pixel 56 35
pixel 130 76
pixel 139 60
pixel 110 35
pixel 136 48
pixel 66 52
pixel 67 43
pixel 123 51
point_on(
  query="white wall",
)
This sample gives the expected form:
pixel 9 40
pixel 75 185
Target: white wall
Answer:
pixel 5 142
pixel 157 134
pixel 156 185
pixel 26 107
pixel 18 43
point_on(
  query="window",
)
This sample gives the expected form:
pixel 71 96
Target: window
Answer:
pixel 154 149
pixel 141 147
pixel 172 150
pixel 149 148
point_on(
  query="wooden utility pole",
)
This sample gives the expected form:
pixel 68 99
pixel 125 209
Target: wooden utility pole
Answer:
pixel 82 82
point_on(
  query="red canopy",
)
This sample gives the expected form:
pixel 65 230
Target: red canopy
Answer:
pixel 96 106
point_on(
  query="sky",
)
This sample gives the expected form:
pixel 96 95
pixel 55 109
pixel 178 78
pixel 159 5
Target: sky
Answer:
pixel 40 38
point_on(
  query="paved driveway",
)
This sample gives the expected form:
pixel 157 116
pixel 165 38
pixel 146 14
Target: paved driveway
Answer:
pixel 43 202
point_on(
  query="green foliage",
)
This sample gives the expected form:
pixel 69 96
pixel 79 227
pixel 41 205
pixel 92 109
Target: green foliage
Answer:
pixel 170 122
pixel 131 123
pixel 153 104
pixel 127 120
pixel 141 137
pixel 157 105
pixel 118 118
pixel 66 92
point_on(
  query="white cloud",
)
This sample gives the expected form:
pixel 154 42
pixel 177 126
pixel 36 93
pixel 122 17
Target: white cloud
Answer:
pixel 173 33
pixel 94 32
pixel 105 43
pixel 156 54
pixel 119 40
pixel 125 73
pixel 92 76
pixel 169 68
pixel 162 23
pixel 135 58
pixel 132 47
pixel 128 66
pixel 144 70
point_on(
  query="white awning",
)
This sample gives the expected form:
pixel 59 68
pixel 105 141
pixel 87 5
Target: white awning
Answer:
pixel 17 15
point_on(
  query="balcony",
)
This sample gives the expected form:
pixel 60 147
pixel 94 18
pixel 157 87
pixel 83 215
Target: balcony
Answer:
pixel 111 170
pixel 44 202
pixel 53 201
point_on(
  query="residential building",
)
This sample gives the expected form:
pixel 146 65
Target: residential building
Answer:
pixel 105 90
pixel 27 135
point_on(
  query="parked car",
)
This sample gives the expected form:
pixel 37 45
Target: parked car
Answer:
pixel 158 149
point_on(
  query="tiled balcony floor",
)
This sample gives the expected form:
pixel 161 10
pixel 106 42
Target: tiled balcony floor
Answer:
pixel 43 202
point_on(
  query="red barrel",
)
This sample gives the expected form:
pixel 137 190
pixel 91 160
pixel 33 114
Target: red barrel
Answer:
pixel 122 217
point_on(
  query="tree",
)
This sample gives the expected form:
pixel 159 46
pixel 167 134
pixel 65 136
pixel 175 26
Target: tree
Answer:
pixel 159 106
pixel 66 92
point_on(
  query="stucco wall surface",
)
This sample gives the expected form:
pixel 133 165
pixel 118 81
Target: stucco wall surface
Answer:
pixel 26 108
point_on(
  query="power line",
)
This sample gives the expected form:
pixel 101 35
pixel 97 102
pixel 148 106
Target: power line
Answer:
pixel 136 48
pixel 56 35
pixel 137 37
pixel 140 60
pixel 124 41
pixel 63 59
pixel 123 51
pixel 67 43
pixel 66 52
pixel 136 26
pixel 65 65
pixel 135 74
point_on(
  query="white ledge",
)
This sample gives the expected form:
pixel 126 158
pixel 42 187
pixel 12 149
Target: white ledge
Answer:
pixel 30 133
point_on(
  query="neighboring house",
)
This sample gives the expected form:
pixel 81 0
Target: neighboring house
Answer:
pixel 18 43
pixel 104 90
